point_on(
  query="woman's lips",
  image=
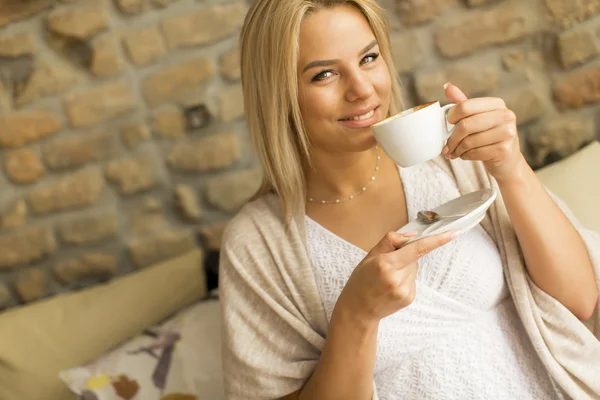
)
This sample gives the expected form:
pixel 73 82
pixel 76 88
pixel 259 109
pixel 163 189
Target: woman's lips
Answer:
pixel 362 123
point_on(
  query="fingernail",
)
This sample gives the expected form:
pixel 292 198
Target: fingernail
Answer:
pixel 446 85
pixel 448 156
pixel 409 234
pixel 445 150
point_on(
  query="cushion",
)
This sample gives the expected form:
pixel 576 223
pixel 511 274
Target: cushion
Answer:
pixel 37 341
pixel 180 359
pixel 576 180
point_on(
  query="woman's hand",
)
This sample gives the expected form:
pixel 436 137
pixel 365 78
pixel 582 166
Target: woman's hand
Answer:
pixel 486 130
pixel 385 280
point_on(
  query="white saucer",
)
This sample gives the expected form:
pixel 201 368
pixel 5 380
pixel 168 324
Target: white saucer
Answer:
pixel 475 204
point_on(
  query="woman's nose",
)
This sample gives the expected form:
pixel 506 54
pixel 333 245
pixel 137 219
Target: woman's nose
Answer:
pixel 359 87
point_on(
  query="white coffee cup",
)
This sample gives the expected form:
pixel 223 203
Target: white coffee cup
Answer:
pixel 415 135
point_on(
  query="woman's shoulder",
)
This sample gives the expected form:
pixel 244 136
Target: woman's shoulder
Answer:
pixel 257 218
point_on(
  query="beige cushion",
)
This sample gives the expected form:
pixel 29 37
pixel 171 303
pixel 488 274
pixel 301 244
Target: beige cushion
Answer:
pixel 39 340
pixel 576 180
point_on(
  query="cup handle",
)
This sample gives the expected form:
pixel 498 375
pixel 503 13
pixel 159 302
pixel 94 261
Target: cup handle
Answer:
pixel 449 126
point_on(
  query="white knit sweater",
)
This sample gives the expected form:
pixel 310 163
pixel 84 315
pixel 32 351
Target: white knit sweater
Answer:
pixel 461 338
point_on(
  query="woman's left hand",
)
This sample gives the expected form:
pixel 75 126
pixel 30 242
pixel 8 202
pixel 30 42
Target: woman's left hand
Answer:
pixel 486 130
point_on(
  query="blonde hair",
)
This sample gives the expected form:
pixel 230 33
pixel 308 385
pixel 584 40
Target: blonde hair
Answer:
pixel 269 56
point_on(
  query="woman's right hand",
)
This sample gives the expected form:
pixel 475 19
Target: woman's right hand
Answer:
pixel 385 280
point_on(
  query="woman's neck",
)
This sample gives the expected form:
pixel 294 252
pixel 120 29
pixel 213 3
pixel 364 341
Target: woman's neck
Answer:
pixel 341 175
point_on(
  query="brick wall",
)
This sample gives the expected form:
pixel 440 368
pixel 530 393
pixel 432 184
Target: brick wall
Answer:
pixel 122 140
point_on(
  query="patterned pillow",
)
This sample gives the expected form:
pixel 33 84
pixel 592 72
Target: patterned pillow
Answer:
pixel 177 360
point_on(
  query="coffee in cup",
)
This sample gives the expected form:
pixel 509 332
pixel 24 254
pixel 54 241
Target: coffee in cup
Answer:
pixel 415 135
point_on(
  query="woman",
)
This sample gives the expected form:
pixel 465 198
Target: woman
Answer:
pixel 320 298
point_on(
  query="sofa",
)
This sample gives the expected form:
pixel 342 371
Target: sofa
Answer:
pixel 40 341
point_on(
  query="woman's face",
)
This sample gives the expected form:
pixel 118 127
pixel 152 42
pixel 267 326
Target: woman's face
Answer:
pixel 344 83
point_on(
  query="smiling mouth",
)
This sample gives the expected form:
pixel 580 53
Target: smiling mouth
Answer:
pixel 361 117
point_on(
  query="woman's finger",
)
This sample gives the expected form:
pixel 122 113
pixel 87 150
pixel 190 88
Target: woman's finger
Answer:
pixel 476 124
pixel 482 139
pixel 474 106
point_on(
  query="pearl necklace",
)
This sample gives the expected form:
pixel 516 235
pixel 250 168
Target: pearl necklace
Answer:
pixel 362 190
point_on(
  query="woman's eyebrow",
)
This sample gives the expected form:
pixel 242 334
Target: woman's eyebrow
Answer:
pixel 324 63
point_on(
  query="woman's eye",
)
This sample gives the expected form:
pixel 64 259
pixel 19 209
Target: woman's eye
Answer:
pixel 321 76
pixel 369 58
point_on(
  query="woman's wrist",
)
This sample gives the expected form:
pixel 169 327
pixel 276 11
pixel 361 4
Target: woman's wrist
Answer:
pixel 348 318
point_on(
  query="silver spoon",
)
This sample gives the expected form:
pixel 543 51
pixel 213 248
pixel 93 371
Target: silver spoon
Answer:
pixel 429 217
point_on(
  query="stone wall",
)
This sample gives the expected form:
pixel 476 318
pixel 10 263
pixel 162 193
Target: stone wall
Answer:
pixel 122 140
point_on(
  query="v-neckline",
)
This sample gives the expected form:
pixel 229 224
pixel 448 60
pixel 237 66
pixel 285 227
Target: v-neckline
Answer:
pixel 408 202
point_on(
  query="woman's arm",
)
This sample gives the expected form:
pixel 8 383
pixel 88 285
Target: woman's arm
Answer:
pixel 555 255
pixel 345 370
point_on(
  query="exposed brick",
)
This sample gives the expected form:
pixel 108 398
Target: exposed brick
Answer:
pixel 416 12
pixel 89 228
pixel 560 137
pixel 132 6
pixel 23 166
pixel 49 77
pixel 472 78
pixel 513 58
pixel 169 123
pixel 580 88
pixel 212 234
pixel 89 265
pixel 5 296
pixel 31 284
pixel 135 133
pixel 208 25
pixel 11 11
pixel 100 264
pixel 74 191
pixel 231 103
pixel 477 3
pixel 175 82
pixel 25 247
pixel 569 12
pixel 95 265
pixel 70 270
pixel 162 3
pixel 17 45
pixel 4 101
pixel 161 247
pixel 100 104
pixel 230 65
pixel 22 127
pixel 187 202
pixel 79 22
pixel 13 216
pixel 105 60
pixel 73 151
pixel 407 51
pixel 147 217
pixel 133 174
pixel 213 152
pixel 481 29
pixel 576 47
pixel 231 190
pixel 144 46
pixel 527 104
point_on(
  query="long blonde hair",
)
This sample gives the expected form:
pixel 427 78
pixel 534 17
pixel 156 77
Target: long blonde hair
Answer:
pixel 269 56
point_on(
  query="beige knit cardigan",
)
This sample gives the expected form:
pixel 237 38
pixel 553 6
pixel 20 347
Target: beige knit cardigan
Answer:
pixel 275 325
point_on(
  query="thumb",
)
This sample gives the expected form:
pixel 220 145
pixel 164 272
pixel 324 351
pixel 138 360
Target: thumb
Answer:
pixel 392 241
pixel 453 93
